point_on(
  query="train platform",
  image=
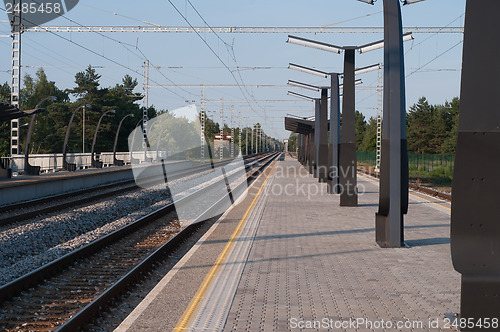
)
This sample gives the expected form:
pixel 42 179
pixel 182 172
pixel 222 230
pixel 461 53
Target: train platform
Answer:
pixel 288 257
pixel 29 187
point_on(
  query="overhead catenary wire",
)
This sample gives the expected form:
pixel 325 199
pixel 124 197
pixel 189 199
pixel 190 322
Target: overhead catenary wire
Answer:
pixel 100 55
pixel 126 46
pixel 210 48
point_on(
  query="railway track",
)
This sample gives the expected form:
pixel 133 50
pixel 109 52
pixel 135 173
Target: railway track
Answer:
pixel 414 186
pixel 68 292
pixel 24 211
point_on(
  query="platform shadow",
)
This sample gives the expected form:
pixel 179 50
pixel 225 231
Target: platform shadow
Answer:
pixel 288 236
pixel 428 242
pixel 428 226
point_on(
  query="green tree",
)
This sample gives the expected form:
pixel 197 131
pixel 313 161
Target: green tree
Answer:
pixel 34 91
pixel 369 142
pixel 293 142
pixel 5 126
pixel 450 141
pixel 38 88
pixel 420 127
pixel 432 128
pixel 360 125
pixel 87 82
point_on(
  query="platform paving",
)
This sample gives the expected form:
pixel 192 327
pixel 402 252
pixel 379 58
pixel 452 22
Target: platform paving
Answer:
pixel 303 263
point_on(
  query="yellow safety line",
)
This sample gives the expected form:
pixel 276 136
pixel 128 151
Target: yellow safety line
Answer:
pixel 188 314
pixel 445 207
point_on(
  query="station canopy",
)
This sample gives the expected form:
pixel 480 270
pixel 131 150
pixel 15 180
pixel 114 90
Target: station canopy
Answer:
pixel 9 112
pixel 300 125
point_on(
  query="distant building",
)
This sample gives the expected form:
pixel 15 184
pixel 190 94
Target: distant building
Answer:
pixel 225 143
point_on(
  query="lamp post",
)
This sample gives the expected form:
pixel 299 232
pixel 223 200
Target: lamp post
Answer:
pixel 117 162
pixel 393 194
pixel 134 161
pixel 66 165
pixel 96 163
pixel 158 144
pixel 33 170
pixel 347 155
pixel 146 144
pixel 474 208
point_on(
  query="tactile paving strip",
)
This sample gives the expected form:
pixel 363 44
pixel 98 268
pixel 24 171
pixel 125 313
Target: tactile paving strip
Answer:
pixel 214 308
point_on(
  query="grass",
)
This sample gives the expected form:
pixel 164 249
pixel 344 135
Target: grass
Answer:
pixel 439 178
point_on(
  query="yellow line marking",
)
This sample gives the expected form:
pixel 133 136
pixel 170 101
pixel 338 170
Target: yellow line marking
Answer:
pixel 445 207
pixel 188 314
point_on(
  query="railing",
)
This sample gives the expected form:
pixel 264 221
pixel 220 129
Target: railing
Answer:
pixel 54 162
pixel 4 162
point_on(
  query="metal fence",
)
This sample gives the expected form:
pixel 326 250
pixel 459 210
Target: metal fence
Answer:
pixel 417 163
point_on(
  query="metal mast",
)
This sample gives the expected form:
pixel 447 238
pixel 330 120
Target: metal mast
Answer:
pixel 256 140
pixel 252 139
pixel 380 99
pixel 239 132
pixel 15 74
pixel 202 121
pixel 246 139
pixel 145 104
pixel 221 139
pixel 232 132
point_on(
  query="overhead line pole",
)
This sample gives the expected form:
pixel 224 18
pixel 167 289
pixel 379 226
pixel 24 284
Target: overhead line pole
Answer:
pixel 145 104
pixel 239 132
pixel 202 123
pixel 232 132
pixel 221 139
pixel 15 74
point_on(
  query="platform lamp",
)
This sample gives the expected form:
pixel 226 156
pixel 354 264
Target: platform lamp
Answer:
pixel 66 165
pixel 96 163
pixel 347 155
pixel 394 174
pixel 333 151
pixel 33 170
pixel 117 162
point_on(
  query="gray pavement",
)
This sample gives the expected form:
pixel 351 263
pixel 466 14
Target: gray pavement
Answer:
pixel 313 261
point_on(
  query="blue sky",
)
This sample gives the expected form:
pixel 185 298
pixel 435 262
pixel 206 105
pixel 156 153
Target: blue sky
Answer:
pixel 433 61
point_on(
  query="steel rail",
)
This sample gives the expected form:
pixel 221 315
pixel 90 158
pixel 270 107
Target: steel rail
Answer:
pixel 78 202
pixel 120 287
pixel 28 280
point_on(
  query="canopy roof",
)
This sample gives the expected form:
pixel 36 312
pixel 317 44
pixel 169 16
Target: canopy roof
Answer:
pixel 9 112
pixel 299 125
